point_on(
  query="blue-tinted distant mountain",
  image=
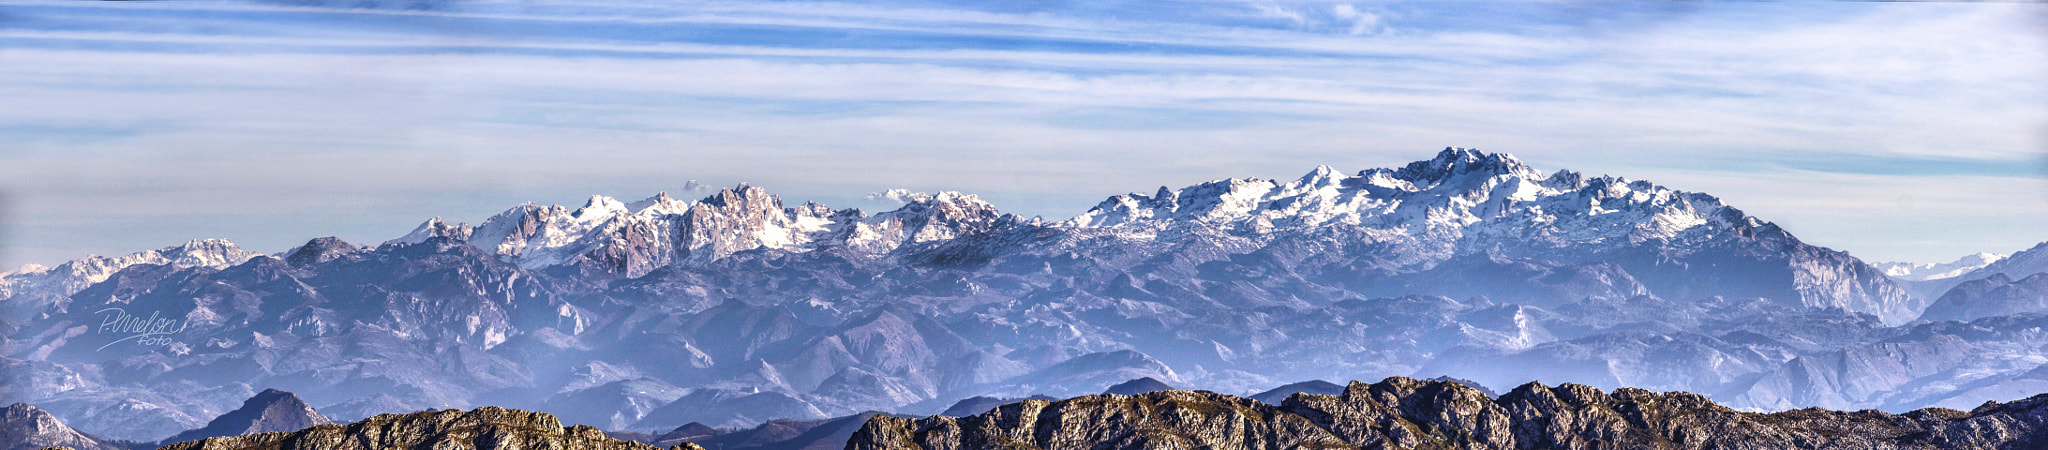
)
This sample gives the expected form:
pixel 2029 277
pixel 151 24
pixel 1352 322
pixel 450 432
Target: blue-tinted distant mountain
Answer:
pixel 1318 387
pixel 1995 295
pixel 270 411
pixel 737 308
pixel 1138 386
pixel 977 405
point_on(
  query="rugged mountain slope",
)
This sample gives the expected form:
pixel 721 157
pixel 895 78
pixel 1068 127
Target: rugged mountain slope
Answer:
pixel 1995 295
pixel 737 308
pixel 270 411
pixel 487 427
pixel 2020 265
pixel 2017 266
pixel 23 427
pixel 1414 414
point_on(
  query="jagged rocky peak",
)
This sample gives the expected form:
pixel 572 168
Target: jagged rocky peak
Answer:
pixel 320 250
pixel 270 411
pixel 1416 414
pixel 25 427
pixel 434 228
pixel 1454 161
pixel 924 217
pixel 486 427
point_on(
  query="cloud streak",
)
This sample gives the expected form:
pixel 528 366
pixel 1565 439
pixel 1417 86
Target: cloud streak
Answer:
pixel 218 117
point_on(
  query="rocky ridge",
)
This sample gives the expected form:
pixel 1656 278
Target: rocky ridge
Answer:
pixel 482 428
pixel 1406 413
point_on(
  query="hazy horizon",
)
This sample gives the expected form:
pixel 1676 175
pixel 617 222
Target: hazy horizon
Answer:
pixel 1915 132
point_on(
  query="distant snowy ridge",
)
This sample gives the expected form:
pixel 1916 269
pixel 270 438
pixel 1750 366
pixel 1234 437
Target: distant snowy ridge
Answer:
pixel 70 277
pixel 1461 202
pixel 1938 271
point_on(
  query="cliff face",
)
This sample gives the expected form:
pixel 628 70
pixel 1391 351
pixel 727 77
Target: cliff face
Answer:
pixel 483 428
pixel 1414 414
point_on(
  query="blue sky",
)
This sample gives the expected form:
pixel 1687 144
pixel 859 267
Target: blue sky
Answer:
pixel 1894 131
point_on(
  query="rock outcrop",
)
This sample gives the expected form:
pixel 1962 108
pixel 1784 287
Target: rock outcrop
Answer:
pixel 482 428
pixel 23 427
pixel 1415 414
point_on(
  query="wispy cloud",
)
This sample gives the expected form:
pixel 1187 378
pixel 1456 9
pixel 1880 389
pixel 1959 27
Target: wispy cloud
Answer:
pixel 216 116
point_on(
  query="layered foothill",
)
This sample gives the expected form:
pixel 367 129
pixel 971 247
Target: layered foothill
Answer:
pixel 1416 414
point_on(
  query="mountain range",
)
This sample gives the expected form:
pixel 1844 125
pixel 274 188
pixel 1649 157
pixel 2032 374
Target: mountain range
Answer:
pixel 737 309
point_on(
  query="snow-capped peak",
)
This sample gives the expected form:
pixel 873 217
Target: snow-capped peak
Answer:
pixel 1460 191
pixel 658 203
pixel 599 208
pixel 433 228
pixel 25 268
pixel 1454 161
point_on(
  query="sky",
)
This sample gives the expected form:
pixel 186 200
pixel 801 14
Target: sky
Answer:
pixel 1893 131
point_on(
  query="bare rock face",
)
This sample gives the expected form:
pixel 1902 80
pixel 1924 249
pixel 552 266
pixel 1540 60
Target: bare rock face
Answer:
pixel 23 427
pixel 482 428
pixel 1416 414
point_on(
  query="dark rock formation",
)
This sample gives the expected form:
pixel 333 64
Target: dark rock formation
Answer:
pixel 1138 386
pixel 783 434
pixel 977 405
pixel 1279 394
pixel 23 427
pixel 270 411
pixel 1416 414
pixel 688 431
pixel 1468 383
pixel 482 428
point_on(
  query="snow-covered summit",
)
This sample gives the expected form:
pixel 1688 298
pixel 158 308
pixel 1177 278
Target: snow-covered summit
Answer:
pixel 657 231
pixel 1460 192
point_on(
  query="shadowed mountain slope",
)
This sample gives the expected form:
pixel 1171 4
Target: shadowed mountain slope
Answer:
pixel 270 411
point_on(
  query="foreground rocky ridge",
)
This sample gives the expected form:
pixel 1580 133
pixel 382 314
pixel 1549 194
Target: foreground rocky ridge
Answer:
pixel 482 428
pixel 1406 413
